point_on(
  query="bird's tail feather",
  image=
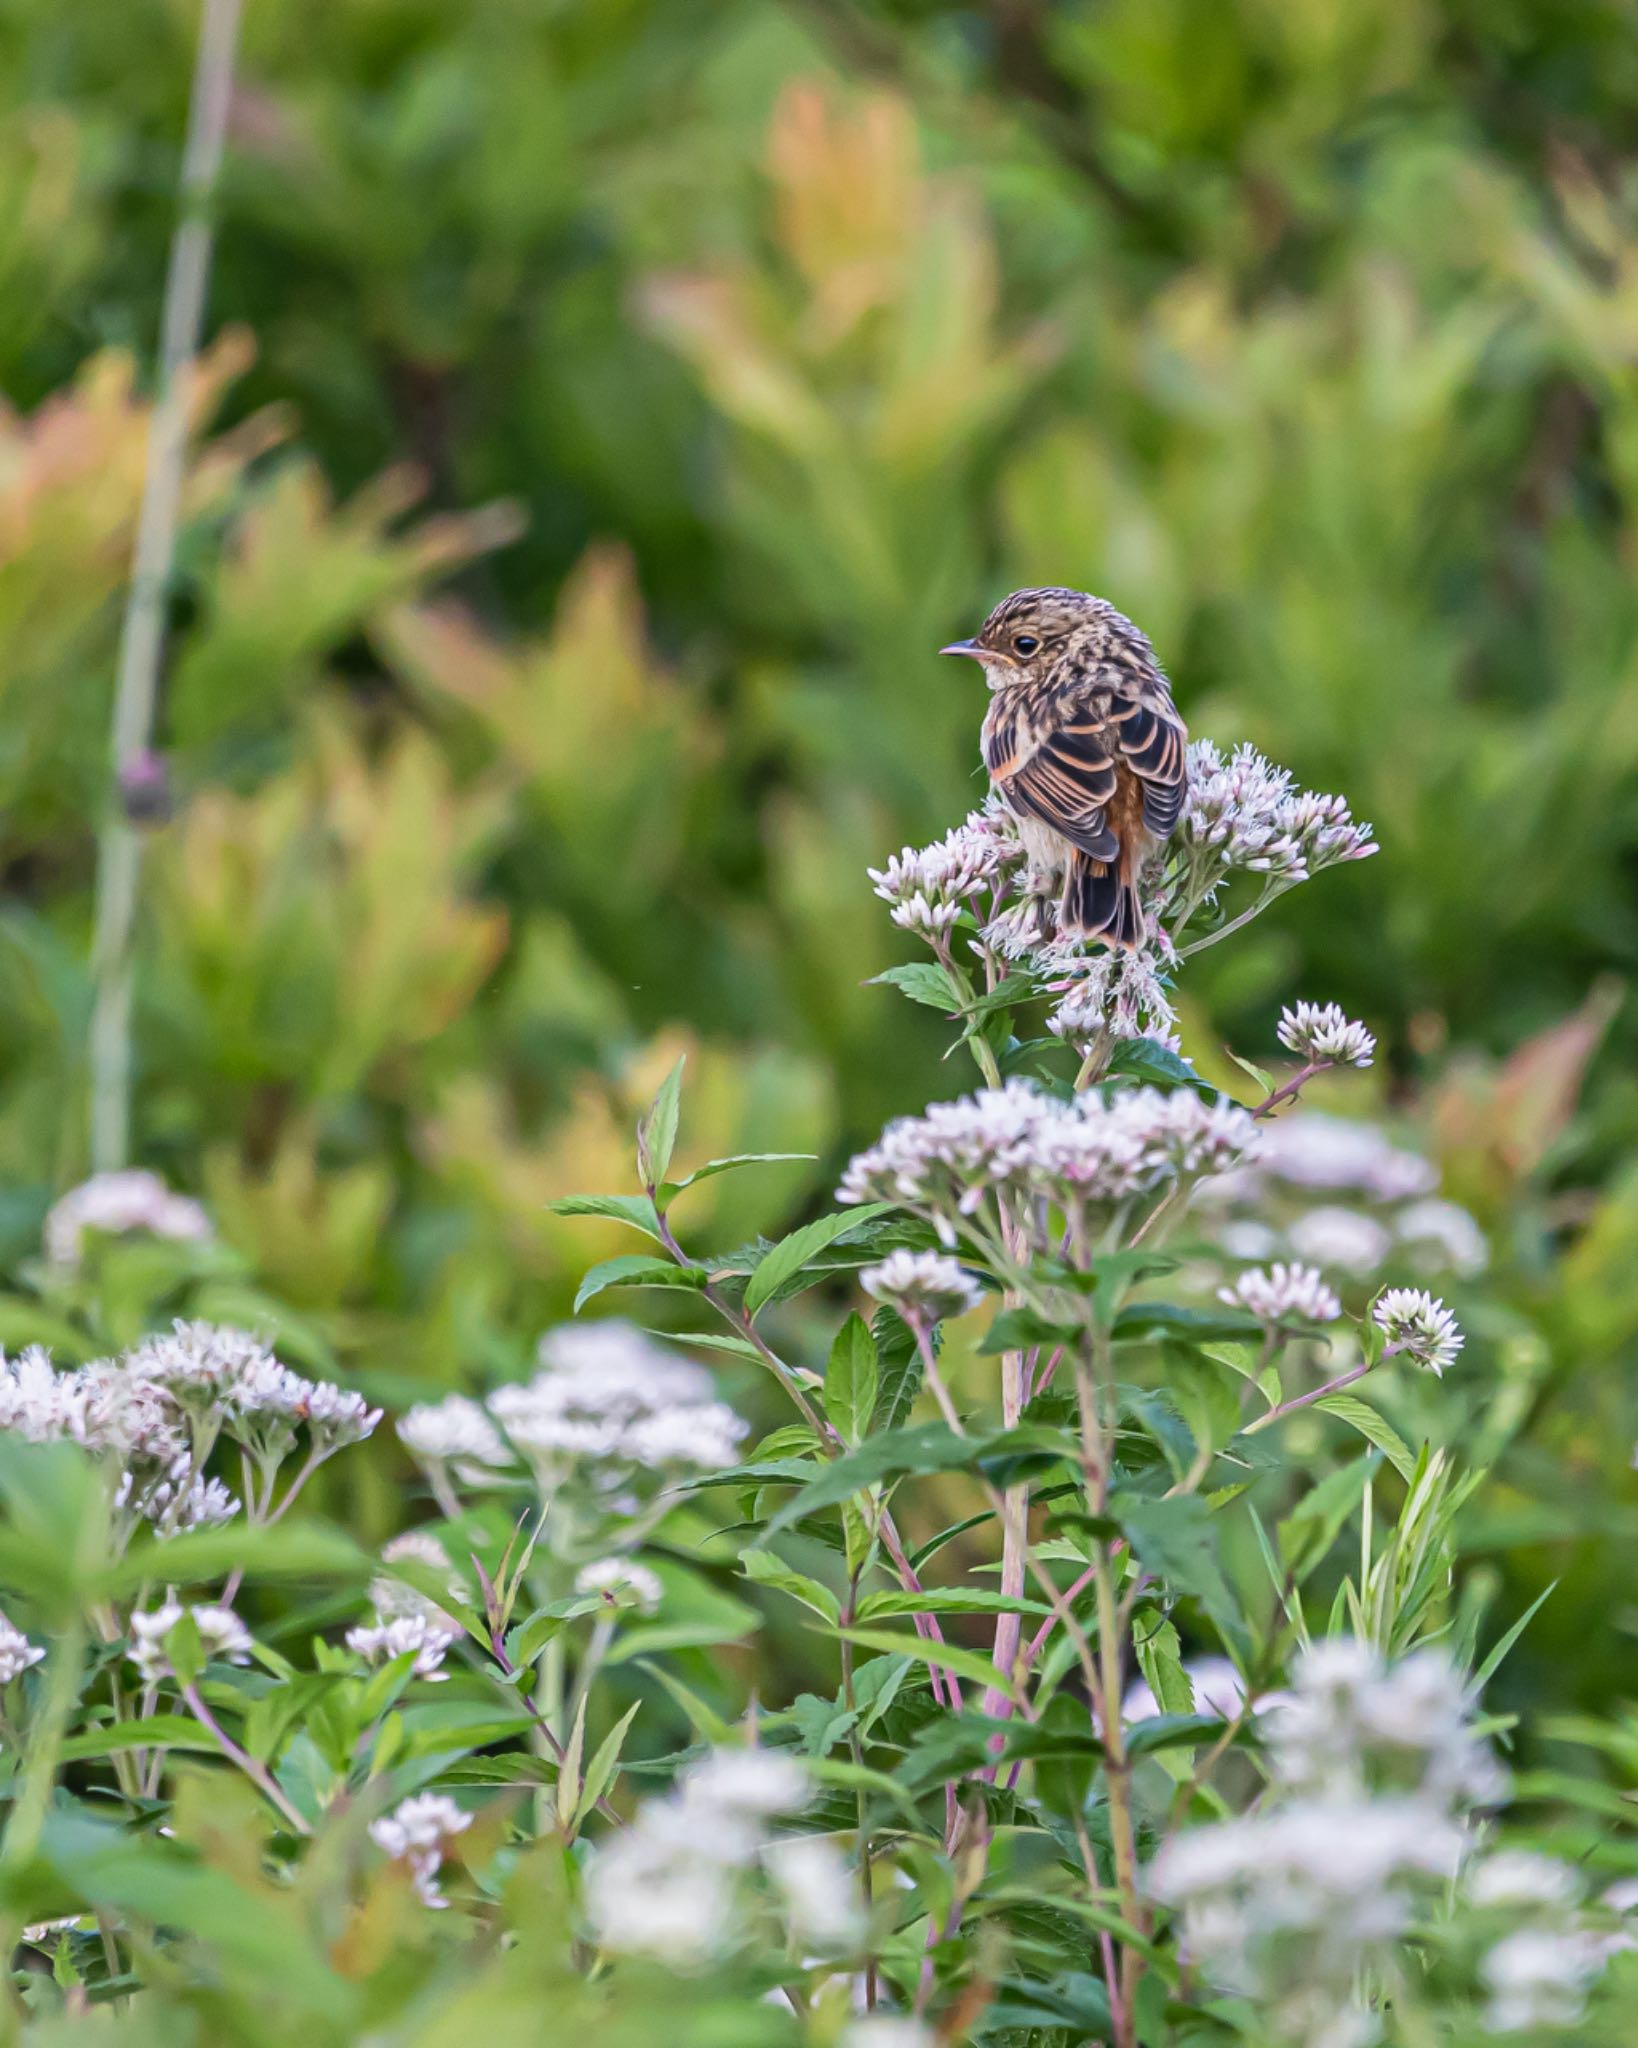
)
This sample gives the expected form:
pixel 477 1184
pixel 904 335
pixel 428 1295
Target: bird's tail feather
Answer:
pixel 1099 902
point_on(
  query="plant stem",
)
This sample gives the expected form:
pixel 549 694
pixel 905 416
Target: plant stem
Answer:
pixel 143 634
pixel 258 1774
pixel 1343 1379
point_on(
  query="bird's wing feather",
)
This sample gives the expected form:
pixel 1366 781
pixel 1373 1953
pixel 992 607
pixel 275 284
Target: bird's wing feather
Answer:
pixel 1061 772
pixel 1151 739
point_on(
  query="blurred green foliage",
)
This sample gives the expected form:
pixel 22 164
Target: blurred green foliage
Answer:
pixel 612 408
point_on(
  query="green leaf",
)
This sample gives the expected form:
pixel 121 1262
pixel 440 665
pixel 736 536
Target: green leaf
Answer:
pixel 637 1210
pixel 1492 1664
pixel 969 1664
pixel 948 1600
pixel 1308 1532
pixel 602 1766
pixel 157 1731
pixel 657 1131
pixel 1146 1059
pixel 923 982
pixel 1375 1429
pixel 1022 1329
pixel 899 1367
pixel 1162 1318
pixel 713 1167
pixel 1160 1659
pixel 1261 1075
pixel 288 1550
pixel 764 1569
pixel 850 1380
pixel 1176 1539
pixel 635 1269
pixel 787 1258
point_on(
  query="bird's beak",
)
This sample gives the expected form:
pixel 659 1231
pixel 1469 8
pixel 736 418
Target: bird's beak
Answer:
pixel 964 647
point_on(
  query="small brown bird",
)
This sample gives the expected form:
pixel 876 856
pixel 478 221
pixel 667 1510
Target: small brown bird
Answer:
pixel 1084 747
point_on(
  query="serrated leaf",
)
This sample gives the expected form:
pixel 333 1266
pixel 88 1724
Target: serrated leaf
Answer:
pixel 948 1600
pixel 657 1130
pixel 787 1258
pixel 763 1568
pixel 637 1210
pixel 635 1269
pixel 1146 1059
pixel 1176 1539
pixel 850 1380
pixel 968 1664
pixel 713 1167
pixel 1023 1329
pixel 899 1367
pixel 923 982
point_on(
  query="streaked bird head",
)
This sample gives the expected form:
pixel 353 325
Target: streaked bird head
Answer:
pixel 1028 633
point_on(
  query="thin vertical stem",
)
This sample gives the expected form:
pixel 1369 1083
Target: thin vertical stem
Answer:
pixel 142 637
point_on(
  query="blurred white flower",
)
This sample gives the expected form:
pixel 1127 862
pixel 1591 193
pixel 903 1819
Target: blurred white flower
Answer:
pixel 748 1781
pixel 416 1834
pixel 1344 1239
pixel 223 1638
pixel 1446 1233
pixel 1312 1149
pixel 924 1287
pixel 821 1902
pixel 1540 1977
pixel 1283 1293
pixel 428 1637
pixel 1322 1035
pixel 607 1395
pixel 454 1431
pixel 1418 1327
pixel 17 1653
pixel 623 1583
pixel 1215 1682
pixel 392 1598
pixel 116 1204
pixel 1521 1877
pixel 888 2030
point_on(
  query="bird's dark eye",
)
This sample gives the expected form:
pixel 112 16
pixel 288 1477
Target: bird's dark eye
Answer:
pixel 1024 643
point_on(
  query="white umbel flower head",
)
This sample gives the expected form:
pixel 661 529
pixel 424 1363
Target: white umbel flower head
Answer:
pixel 1418 1327
pixel 929 886
pixel 1282 1293
pixel 748 1781
pixel 622 1582
pixel 1116 994
pixel 117 1204
pixel 223 1638
pixel 1322 1035
pixel 426 1637
pixel 888 2030
pixel 820 1898
pixel 416 1834
pixel 454 1431
pixel 948 1163
pixel 17 1653
pixel 1539 1977
pixel 924 1287
pixel 1522 1877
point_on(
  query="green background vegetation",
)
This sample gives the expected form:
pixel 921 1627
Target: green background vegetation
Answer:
pixel 609 410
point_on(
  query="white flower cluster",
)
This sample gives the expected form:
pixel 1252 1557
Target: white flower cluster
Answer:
pixel 223 1638
pixel 416 1833
pixel 929 886
pixel 1417 1327
pixel 456 1432
pixel 1323 1035
pixel 1116 993
pixel 116 1204
pixel 17 1653
pixel 1244 812
pixel 1537 1974
pixel 408 1622
pixel 425 1637
pixel 1019 1140
pixel 1269 1210
pixel 1281 1294
pixel 607 1393
pixel 155 1412
pixel 1374 1771
pixel 622 1582
pixel 678 1883
pixel 924 1287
